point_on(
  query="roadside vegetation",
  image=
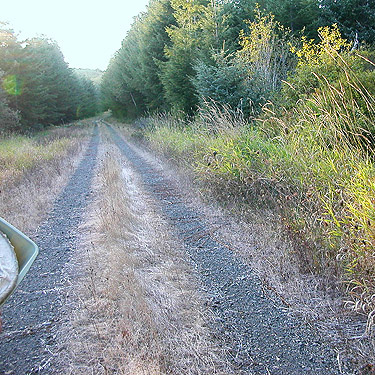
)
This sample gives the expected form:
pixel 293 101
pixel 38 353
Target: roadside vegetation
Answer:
pixel 41 137
pixel 267 116
pixel 19 154
pixel 313 164
pixel 33 170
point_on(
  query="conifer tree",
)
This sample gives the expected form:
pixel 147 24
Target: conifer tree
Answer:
pixel 38 86
pixel 355 18
pixel 189 41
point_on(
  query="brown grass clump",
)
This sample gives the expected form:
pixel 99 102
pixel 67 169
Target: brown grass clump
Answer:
pixel 137 308
pixel 34 170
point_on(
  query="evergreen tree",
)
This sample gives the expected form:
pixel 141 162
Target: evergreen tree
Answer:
pixel 232 15
pixel 117 95
pixel 131 85
pixel 190 39
pixel 355 18
pixel 154 39
pixel 86 97
pixel 38 86
pixel 48 85
pixel 9 119
pixel 297 15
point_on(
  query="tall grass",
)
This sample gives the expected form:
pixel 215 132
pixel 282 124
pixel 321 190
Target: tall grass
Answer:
pixel 313 165
pixel 19 154
pixel 331 167
pixel 33 170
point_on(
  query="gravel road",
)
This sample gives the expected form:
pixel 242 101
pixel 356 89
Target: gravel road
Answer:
pixel 33 314
pixel 263 336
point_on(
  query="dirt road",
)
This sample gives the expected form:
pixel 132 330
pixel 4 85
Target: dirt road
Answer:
pixel 260 334
pixel 32 316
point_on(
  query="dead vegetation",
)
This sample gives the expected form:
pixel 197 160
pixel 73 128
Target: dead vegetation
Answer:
pixel 259 238
pixel 34 170
pixel 137 308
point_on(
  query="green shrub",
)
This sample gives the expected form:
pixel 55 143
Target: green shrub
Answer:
pixel 312 163
pixel 247 79
pixel 329 61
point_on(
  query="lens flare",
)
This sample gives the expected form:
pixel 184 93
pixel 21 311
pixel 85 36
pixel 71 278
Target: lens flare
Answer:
pixel 12 85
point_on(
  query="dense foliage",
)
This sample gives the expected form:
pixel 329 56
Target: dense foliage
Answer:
pixel 37 86
pixel 179 54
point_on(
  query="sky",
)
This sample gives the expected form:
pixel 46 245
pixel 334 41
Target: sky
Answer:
pixel 88 32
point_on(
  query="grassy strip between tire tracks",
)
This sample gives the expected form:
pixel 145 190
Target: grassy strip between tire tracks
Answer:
pixel 138 309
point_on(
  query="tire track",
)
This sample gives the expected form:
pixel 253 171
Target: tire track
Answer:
pixel 263 336
pixel 33 314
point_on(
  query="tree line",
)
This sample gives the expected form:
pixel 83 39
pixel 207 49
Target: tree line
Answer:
pixel 181 53
pixel 37 86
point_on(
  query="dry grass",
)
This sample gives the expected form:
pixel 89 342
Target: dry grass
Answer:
pixel 137 308
pixel 34 170
pixel 260 239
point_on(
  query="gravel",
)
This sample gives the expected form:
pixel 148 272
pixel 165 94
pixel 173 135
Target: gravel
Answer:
pixel 262 335
pixel 33 314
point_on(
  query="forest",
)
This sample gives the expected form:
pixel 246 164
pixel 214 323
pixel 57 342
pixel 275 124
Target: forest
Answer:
pixel 180 53
pixel 271 104
pixel 38 87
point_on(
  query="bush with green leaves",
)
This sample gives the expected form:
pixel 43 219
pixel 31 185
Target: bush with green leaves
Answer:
pixel 226 83
pixel 248 78
pixel 326 61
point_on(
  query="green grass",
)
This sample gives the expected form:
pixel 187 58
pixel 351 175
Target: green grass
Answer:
pixel 19 154
pixel 311 165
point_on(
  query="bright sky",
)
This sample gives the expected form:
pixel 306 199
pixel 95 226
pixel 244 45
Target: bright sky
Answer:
pixel 88 32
